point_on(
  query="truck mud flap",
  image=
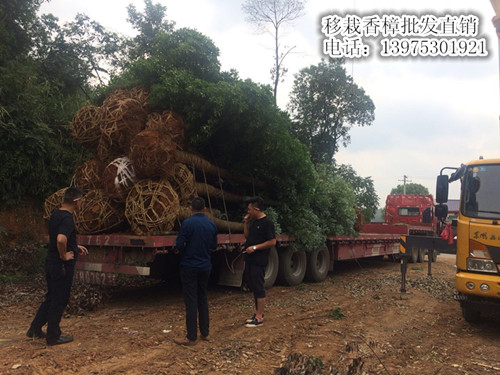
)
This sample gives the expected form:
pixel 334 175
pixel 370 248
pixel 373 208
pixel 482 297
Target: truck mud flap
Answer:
pixel 231 271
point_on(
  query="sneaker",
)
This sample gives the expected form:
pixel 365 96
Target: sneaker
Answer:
pixel 205 338
pixel 251 319
pixel 35 334
pixel 254 323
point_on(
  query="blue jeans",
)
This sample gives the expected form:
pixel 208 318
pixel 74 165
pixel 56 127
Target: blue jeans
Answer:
pixel 194 287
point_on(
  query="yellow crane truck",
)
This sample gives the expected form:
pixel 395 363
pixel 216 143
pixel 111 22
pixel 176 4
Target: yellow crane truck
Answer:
pixel 477 235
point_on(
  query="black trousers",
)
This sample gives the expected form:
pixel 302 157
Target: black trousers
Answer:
pixel 59 278
pixel 194 286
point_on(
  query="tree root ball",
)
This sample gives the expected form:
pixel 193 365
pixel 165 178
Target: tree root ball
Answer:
pixel 168 124
pixel 87 126
pixel 118 178
pixel 52 202
pixel 152 155
pixel 184 184
pixel 152 207
pixel 87 176
pixel 122 120
pixel 98 213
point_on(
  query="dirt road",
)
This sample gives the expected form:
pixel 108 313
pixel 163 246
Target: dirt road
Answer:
pixel 355 322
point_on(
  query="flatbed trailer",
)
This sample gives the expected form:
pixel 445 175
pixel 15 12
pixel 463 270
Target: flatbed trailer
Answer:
pixel 155 256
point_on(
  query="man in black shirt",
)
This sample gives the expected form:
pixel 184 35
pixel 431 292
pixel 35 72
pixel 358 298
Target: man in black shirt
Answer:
pixel 260 238
pixel 59 269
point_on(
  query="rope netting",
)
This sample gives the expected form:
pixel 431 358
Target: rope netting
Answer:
pixel 152 207
pixel 87 176
pixel 122 120
pixel 98 213
pixel 87 126
pixel 52 202
pixel 118 178
pixel 168 124
pixel 152 155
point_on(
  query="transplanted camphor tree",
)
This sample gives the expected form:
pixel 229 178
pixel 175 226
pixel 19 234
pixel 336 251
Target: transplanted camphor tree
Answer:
pixel 325 104
pixel 271 15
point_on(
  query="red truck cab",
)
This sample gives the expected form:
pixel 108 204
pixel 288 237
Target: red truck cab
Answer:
pixel 416 210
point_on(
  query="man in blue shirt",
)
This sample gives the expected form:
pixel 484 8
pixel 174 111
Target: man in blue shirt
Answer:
pixel 197 237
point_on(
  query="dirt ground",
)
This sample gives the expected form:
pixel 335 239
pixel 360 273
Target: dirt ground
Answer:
pixel 355 322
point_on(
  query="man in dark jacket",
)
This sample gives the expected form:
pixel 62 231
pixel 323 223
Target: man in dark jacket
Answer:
pixel 197 237
pixel 59 269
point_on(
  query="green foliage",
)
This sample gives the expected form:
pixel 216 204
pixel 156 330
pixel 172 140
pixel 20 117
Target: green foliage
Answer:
pixel 335 313
pixel 148 25
pixel 334 201
pixel 364 190
pixel 411 188
pixel 315 361
pixel 325 104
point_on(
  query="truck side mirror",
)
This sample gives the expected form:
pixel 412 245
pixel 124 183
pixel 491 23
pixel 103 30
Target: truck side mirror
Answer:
pixel 442 189
pixel 441 211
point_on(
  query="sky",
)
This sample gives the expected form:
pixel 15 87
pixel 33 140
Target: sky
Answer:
pixel 431 112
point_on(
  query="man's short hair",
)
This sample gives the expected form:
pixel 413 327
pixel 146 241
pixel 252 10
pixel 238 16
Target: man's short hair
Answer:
pixel 72 194
pixel 257 202
pixel 198 204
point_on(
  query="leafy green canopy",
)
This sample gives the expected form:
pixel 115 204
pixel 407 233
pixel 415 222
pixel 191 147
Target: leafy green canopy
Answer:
pixel 235 124
pixel 325 104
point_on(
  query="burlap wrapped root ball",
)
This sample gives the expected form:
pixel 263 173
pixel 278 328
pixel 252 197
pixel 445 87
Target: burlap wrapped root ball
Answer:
pixel 53 202
pixel 98 213
pixel 152 207
pixel 152 154
pixel 121 122
pixel 183 183
pixel 87 126
pixel 118 178
pixel 168 124
pixel 87 176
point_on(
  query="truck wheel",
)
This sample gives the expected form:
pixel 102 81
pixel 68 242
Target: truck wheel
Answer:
pixel 434 255
pixel 271 269
pixel 318 263
pixel 292 266
pixel 413 255
pixel 470 314
pixel 420 255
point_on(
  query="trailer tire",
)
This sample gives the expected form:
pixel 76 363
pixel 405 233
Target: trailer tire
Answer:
pixel 413 255
pixel 434 255
pixel 271 269
pixel 420 255
pixel 318 263
pixel 292 268
pixel 470 314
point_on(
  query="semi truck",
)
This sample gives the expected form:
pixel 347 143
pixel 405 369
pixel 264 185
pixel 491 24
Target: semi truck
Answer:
pixel 477 228
pixel 155 256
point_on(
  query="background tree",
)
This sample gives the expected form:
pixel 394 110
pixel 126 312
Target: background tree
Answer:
pixel 271 15
pixel 148 25
pixel 325 104
pixel 411 188
pixel 366 198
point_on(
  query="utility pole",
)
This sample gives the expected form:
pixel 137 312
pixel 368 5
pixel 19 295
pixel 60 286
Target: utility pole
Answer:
pixel 404 180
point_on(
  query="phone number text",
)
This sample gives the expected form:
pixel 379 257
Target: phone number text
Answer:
pixel 433 47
